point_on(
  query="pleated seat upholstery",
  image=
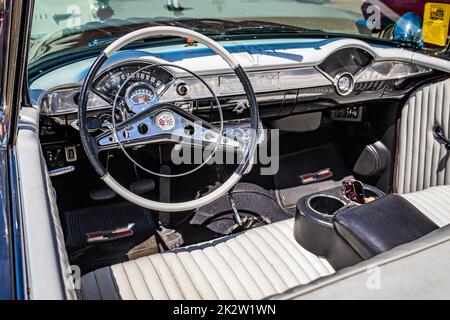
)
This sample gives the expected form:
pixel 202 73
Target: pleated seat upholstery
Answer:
pixel 433 202
pixel 251 265
pixel 254 264
pixel 422 161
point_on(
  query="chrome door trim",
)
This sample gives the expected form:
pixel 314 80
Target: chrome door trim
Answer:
pixel 13 92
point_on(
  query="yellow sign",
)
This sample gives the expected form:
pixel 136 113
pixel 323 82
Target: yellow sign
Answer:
pixel 436 23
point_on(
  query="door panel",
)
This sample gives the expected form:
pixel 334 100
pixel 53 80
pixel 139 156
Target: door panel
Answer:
pixel 6 248
pixel 14 29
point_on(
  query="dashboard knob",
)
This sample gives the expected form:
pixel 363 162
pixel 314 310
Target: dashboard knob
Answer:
pixel 189 130
pixel 183 89
pixel 143 128
pixel 344 84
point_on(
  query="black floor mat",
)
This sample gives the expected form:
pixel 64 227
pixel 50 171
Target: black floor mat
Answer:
pixel 89 257
pixel 288 183
pixel 250 199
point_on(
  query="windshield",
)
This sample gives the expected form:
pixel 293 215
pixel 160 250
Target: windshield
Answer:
pixel 61 25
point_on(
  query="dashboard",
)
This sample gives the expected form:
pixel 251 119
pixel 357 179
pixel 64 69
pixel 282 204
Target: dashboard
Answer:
pixel 288 77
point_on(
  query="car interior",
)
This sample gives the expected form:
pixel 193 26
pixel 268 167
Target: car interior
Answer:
pixel 351 173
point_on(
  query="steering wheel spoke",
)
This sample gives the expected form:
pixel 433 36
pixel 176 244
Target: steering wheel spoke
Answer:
pixel 166 123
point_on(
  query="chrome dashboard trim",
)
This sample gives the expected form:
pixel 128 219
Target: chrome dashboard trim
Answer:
pixel 47 107
pixel 226 84
pixel 390 70
pixel 349 76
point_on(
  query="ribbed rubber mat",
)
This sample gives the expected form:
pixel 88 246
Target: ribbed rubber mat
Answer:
pixel 89 257
pixel 289 197
pixel 288 183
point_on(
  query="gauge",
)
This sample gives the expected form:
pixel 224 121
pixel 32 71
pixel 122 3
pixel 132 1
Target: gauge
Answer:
pixel 344 84
pixel 140 96
pixel 110 82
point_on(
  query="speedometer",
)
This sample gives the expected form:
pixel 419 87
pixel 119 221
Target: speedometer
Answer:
pixel 140 96
pixel 120 78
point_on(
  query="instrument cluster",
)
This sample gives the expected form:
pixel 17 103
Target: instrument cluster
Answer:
pixel 135 86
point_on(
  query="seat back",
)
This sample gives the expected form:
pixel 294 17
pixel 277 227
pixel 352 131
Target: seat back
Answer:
pixel 422 162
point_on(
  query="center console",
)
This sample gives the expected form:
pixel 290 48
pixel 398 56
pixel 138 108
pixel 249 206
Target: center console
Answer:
pixel 354 222
pixel 314 228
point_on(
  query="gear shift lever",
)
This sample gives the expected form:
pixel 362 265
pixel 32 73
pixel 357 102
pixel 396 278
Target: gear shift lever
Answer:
pixel 354 191
pixel 236 215
pixel 246 222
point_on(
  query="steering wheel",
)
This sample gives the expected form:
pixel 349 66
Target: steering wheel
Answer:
pixel 173 115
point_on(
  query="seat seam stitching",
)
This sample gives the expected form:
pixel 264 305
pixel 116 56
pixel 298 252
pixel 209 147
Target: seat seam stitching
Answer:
pixel 268 261
pixel 143 278
pixel 270 280
pixel 204 274
pixel 173 276
pixel 303 256
pixel 245 267
pixel 159 277
pixel 226 284
pixel 438 212
pixel 276 254
pixel 172 271
pixel 235 274
pixel 190 274
pixel 309 257
pixel 129 281
pixel 141 272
